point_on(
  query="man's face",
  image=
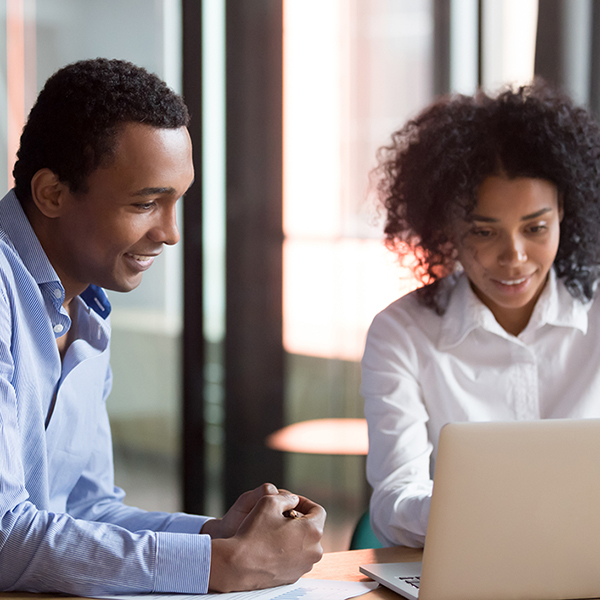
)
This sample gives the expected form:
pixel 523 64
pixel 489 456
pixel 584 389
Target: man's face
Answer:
pixel 112 233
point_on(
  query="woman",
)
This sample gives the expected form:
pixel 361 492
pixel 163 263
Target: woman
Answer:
pixel 499 201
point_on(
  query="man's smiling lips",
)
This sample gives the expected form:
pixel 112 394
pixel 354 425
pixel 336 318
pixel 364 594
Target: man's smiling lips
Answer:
pixel 141 262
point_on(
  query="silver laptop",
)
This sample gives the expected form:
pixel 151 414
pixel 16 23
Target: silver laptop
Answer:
pixel 515 513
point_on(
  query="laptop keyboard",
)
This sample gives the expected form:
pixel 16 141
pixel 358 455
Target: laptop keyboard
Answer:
pixel 414 581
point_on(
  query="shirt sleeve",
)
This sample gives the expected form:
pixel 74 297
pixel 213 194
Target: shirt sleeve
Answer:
pixel 96 498
pixel 102 548
pixel 399 446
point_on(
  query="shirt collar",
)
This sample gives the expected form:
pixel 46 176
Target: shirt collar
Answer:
pixel 97 300
pixel 15 224
pixel 556 306
pixel 466 312
pixel 21 235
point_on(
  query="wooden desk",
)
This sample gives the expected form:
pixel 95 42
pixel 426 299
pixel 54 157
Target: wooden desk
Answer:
pixel 342 566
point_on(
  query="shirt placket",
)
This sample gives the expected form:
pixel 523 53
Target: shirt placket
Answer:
pixel 53 297
pixel 525 389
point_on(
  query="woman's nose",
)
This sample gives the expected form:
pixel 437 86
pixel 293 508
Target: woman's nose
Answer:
pixel 513 252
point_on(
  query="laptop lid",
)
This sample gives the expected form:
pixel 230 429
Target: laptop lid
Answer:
pixel 515 512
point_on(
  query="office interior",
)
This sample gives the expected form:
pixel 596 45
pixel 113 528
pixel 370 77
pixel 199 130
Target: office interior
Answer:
pixel 258 317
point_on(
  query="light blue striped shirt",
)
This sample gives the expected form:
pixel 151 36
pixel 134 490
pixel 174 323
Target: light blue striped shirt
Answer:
pixel 63 525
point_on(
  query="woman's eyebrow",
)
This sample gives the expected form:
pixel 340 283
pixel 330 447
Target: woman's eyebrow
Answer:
pixel 484 219
pixel 534 215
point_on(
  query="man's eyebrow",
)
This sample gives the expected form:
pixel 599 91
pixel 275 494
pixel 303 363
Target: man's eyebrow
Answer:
pixel 154 191
pixel 534 215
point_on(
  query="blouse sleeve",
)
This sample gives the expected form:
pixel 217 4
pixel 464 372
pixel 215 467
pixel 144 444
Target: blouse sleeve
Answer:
pixel 399 446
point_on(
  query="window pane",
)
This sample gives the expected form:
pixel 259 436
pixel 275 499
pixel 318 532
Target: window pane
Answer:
pixel 354 70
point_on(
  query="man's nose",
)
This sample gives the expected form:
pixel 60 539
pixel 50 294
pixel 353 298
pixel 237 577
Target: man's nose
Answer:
pixel 166 230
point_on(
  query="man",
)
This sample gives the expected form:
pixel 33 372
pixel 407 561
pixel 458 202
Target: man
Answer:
pixel 103 159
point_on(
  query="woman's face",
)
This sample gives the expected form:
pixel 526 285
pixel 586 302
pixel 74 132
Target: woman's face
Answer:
pixel 509 244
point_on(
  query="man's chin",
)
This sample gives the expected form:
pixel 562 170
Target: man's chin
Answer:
pixel 124 286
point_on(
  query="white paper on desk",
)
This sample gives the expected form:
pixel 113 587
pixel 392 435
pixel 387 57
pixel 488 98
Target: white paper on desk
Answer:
pixel 303 589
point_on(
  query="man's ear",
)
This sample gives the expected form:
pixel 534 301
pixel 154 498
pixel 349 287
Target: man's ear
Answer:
pixel 48 193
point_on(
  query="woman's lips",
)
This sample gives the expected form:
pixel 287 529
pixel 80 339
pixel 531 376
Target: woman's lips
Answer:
pixel 514 285
pixel 513 281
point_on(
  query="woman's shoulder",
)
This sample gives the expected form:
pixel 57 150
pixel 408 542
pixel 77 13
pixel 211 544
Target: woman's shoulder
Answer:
pixel 410 317
pixel 414 305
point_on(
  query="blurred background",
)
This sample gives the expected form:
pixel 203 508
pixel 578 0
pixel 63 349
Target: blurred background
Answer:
pixel 257 319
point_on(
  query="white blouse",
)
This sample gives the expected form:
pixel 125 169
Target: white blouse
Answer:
pixel 421 371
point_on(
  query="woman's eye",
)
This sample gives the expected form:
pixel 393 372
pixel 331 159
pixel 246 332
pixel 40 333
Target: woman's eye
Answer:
pixel 481 233
pixel 537 229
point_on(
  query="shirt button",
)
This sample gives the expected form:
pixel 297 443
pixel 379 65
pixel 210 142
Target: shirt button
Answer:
pixel 57 294
pixel 58 328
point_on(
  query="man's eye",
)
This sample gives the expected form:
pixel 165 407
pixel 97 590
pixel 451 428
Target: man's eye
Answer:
pixel 145 206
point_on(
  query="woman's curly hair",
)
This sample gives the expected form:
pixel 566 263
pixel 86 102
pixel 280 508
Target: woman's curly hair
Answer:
pixel 73 125
pixel 430 173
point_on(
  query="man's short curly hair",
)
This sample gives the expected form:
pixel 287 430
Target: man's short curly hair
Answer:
pixel 72 127
pixel 430 173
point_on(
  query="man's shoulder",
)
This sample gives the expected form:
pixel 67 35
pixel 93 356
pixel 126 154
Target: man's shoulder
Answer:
pixel 9 257
pixel 9 273
pixel 9 207
pixel 14 275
